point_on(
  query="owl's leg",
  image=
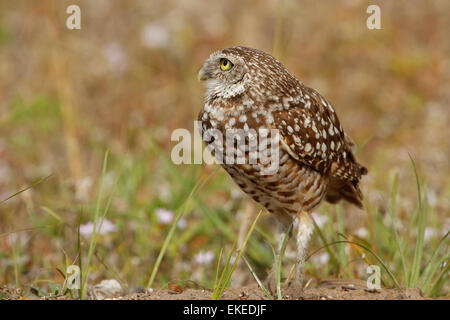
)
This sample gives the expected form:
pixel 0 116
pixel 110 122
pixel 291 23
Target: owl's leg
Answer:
pixel 304 230
pixel 283 223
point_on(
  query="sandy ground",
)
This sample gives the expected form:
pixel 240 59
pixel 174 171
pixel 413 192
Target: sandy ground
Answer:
pixel 335 289
pixel 327 290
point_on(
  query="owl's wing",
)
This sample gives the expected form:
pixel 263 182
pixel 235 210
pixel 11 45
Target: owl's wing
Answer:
pixel 312 134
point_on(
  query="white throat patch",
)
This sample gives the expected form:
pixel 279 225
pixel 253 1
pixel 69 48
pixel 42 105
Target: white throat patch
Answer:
pixel 217 88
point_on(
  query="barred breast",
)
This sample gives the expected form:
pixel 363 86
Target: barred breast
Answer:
pixel 292 189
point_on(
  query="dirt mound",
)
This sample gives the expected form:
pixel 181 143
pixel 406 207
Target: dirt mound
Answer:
pixel 326 290
pixel 335 289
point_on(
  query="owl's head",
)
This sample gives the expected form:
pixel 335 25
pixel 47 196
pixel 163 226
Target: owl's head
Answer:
pixel 230 72
pixel 224 72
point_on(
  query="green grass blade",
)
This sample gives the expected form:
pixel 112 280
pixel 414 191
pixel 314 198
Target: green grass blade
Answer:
pixel 343 261
pixel 96 220
pixel 279 260
pixel 377 257
pixel 333 259
pixel 216 278
pixel 440 279
pixel 260 284
pixel 418 250
pixel 180 214
pixel 224 271
pixel 34 184
pixel 394 229
pixel 433 264
pixel 80 258
pixel 241 251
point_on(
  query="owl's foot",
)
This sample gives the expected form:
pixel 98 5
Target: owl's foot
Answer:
pixel 292 291
pixel 271 283
pixel 295 291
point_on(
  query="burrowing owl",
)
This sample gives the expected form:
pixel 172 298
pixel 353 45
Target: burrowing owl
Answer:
pixel 247 89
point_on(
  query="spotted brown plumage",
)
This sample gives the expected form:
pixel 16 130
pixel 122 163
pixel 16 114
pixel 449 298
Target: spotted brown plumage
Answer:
pixel 255 92
pixel 313 135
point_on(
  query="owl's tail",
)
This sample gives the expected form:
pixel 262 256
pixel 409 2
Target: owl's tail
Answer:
pixel 339 189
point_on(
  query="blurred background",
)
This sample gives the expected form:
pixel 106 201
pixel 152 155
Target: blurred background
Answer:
pixel 127 79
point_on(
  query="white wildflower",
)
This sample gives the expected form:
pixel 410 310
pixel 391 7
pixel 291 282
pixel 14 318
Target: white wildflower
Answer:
pixel 5 172
pixel 182 223
pixel 320 220
pixel 361 232
pixel 321 258
pixel 164 216
pixel 106 227
pixel 116 57
pixel 83 188
pixel 429 233
pixel 204 257
pixel 155 36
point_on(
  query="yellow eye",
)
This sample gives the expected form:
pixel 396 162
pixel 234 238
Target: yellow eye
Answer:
pixel 225 64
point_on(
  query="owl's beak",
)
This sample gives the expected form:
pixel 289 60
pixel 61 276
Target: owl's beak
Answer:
pixel 203 74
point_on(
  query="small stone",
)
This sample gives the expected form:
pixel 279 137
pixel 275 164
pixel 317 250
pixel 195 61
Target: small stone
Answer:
pixel 106 289
pixel 175 288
